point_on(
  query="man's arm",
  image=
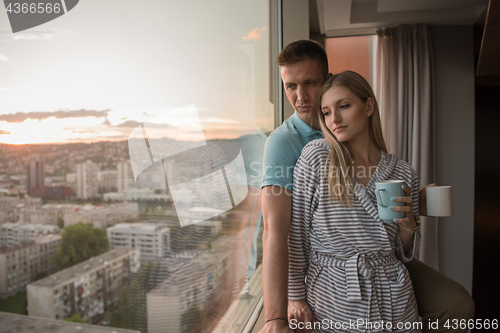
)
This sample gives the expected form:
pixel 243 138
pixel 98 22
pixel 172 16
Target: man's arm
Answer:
pixel 276 212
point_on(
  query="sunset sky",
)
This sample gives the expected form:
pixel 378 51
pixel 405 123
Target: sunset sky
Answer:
pixel 99 71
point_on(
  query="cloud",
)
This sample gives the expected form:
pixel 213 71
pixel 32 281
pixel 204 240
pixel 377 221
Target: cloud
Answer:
pixel 255 34
pixel 19 117
pixel 3 57
pixel 106 122
pixel 4 132
pixel 98 138
pixel 160 126
pixel 85 131
pixel 129 124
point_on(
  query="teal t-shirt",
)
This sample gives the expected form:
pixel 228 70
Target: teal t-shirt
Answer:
pixel 282 150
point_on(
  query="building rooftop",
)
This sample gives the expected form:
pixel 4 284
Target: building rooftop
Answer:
pixel 19 323
pixel 40 240
pixel 15 247
pixel 81 268
pixel 47 239
pixel 185 277
pixel 137 227
pixel 29 226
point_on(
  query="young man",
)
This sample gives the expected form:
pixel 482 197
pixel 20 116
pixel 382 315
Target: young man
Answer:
pixel 304 67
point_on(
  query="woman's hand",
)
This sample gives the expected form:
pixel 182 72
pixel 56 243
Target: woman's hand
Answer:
pixel 301 313
pixel 408 221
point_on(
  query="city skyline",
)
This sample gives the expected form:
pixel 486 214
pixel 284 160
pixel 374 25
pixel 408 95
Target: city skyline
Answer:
pixel 72 81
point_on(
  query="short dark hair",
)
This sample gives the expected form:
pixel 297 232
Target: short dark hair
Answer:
pixel 303 50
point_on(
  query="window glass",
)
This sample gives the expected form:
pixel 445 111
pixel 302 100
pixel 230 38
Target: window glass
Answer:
pixel 147 120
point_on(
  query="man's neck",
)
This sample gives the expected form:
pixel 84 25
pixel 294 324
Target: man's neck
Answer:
pixel 312 122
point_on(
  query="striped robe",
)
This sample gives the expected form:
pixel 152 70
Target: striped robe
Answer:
pixel 352 259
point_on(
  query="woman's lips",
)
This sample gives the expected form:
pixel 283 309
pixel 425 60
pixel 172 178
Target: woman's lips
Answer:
pixel 339 128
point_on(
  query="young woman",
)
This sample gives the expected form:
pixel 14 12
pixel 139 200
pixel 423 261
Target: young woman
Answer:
pixel 353 261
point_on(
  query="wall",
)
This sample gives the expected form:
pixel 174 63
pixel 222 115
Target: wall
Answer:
pixel 454 116
pixel 295 27
pixel 349 53
pixel 40 302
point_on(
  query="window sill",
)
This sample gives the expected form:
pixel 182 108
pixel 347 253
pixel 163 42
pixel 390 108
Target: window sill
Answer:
pixel 244 313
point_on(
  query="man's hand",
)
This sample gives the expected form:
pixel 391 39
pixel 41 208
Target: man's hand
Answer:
pixel 301 313
pixel 422 203
pixel 276 326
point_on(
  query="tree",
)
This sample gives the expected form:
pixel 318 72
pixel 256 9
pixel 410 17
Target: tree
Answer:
pixel 79 243
pixel 76 318
pixel 41 275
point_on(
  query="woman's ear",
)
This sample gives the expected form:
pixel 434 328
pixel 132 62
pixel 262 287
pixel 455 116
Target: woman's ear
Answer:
pixel 370 106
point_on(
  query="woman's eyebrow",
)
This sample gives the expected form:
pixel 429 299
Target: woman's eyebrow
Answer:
pixel 343 100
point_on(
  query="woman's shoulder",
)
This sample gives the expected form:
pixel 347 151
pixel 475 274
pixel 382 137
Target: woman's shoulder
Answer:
pixel 315 150
pixel 315 147
pixel 400 166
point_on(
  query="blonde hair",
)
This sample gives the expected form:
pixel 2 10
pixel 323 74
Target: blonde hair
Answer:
pixel 340 157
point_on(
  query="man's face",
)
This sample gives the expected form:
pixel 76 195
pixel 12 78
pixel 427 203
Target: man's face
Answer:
pixel 302 81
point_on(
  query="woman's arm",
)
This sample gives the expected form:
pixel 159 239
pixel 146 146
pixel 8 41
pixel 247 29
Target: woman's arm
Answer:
pixel 408 222
pixel 410 240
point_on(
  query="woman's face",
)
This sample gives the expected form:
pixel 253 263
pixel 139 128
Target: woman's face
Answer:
pixel 346 116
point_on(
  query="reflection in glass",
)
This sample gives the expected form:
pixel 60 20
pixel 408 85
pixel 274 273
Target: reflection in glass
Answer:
pixel 151 124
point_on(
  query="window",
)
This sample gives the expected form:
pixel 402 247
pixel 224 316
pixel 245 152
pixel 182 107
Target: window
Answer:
pixel 355 53
pixel 196 75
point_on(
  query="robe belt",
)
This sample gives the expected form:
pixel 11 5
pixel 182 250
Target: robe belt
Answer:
pixel 357 264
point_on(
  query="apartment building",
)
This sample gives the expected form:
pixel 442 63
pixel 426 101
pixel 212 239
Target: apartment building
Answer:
pixel 46 214
pixel 194 236
pixel 107 181
pixel 35 175
pixel 40 216
pixel 137 194
pixel 71 181
pixel 19 323
pixel 16 233
pixel 20 263
pixel 171 304
pixel 163 239
pixel 88 289
pixel 153 240
pixel 124 176
pixel 86 180
pixel 12 208
pixel 103 216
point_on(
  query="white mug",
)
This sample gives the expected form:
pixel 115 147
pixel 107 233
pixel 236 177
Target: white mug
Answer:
pixel 439 201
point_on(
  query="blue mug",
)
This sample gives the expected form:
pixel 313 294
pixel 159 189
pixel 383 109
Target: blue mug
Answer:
pixel 384 191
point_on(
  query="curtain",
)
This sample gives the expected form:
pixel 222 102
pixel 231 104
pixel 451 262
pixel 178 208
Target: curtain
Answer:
pixel 404 89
